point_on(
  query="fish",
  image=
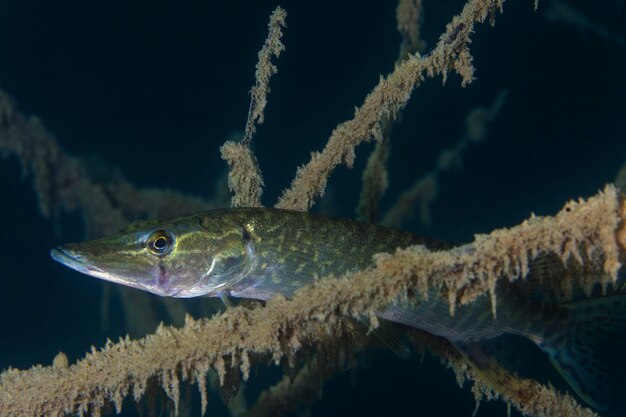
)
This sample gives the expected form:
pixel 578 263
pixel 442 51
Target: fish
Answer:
pixel 257 253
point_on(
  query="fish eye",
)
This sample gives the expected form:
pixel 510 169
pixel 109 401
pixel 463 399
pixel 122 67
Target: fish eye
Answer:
pixel 160 242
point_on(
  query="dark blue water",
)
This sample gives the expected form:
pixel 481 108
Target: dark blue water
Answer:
pixel 154 88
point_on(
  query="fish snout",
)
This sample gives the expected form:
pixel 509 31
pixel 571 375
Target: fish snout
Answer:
pixel 69 257
pixel 63 252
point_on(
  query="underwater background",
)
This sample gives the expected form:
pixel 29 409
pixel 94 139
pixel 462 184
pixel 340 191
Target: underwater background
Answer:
pixel 148 91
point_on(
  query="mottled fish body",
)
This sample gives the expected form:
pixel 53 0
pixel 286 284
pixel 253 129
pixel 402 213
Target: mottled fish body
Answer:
pixel 258 253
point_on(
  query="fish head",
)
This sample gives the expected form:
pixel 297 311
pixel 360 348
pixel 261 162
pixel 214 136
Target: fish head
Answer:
pixel 184 257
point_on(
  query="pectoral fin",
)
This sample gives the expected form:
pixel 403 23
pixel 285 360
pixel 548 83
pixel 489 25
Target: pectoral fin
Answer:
pixel 389 334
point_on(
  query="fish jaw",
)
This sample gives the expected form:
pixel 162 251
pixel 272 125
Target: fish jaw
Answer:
pixel 80 258
pixel 75 261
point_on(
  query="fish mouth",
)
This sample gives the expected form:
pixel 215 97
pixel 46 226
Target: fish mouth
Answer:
pixel 74 260
pixel 84 264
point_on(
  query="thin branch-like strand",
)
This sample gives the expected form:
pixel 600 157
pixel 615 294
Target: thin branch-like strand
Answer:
pixel 585 234
pixel 264 71
pixel 422 193
pixel 62 182
pixel 375 180
pixel 529 397
pixel 560 11
pixel 409 15
pixel 244 177
pixel 387 98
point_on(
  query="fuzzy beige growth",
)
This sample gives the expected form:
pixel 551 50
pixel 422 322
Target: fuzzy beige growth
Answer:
pixel 387 98
pixel 494 382
pixel 527 396
pixel 583 232
pixel 244 177
pixel 272 47
pixel 588 236
pixel 409 14
pixel 583 235
pixel 375 178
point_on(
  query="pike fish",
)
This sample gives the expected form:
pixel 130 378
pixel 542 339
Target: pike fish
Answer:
pixel 257 253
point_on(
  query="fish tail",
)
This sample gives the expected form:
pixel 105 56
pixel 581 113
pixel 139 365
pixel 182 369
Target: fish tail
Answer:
pixel 576 348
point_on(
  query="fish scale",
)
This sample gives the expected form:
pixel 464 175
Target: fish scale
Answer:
pixel 258 253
